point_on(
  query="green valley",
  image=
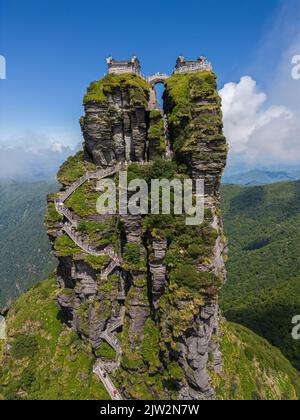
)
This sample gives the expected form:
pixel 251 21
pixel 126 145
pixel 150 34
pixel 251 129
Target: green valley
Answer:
pixel 263 286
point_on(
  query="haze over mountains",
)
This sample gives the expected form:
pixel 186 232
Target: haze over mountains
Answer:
pixel 21 164
pixel 261 177
pixel 25 165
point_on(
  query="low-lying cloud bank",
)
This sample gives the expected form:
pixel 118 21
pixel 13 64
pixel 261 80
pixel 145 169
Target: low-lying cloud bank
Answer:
pixel 20 164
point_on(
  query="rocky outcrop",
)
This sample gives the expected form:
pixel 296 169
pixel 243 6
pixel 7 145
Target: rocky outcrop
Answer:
pixel 114 128
pixel 198 141
pixel 138 304
pixel 195 351
pixel 164 298
pixel 158 270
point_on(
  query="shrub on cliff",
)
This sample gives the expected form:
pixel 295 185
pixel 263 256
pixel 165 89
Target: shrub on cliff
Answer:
pixel 24 346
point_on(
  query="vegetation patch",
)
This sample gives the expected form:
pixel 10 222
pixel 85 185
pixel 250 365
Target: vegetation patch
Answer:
pixel 136 87
pixel 156 135
pixel 52 216
pixel 194 115
pixel 65 247
pixel 73 168
pixel 83 201
pixel 150 346
pixel 47 361
pixel 253 369
pixel 106 352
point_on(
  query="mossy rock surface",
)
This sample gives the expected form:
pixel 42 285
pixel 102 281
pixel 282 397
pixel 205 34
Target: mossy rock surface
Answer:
pixel 136 87
pixel 73 168
pixel 194 113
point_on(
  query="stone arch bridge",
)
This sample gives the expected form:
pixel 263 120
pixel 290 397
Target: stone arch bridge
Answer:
pixel 152 81
pixel 157 78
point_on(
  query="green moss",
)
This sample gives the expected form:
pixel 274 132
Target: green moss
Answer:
pixel 24 346
pixel 86 226
pixel 83 201
pixel 156 135
pixel 136 87
pixel 156 131
pixel 64 246
pixel 101 234
pixel 73 168
pixel 155 113
pixel 106 352
pixel 52 215
pixel 150 346
pixel 97 262
pixel 194 113
pixel 131 254
pixel 175 371
pixel 188 276
pixel 95 93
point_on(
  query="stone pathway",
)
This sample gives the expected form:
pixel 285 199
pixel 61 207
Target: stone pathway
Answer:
pixel 100 372
pixel 70 228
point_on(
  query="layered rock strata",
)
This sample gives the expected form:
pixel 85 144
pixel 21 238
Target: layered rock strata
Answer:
pixel 163 299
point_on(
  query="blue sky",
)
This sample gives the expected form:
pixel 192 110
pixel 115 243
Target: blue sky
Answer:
pixel 55 48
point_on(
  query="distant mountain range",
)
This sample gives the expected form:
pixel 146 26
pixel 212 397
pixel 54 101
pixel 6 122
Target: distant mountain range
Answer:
pixel 261 177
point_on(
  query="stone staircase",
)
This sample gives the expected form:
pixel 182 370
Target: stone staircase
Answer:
pixel 115 263
pixel 69 228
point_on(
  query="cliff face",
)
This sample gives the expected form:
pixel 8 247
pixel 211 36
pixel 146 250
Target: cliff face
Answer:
pixel 195 124
pixel 151 320
pixel 114 125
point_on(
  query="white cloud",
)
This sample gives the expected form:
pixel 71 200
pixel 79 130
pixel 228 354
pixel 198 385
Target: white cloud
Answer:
pixel 57 147
pixel 255 131
pixel 25 164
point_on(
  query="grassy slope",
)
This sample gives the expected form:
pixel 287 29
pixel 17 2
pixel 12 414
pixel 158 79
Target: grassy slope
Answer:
pixel 263 288
pixel 24 247
pixel 46 361
pixel 253 369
